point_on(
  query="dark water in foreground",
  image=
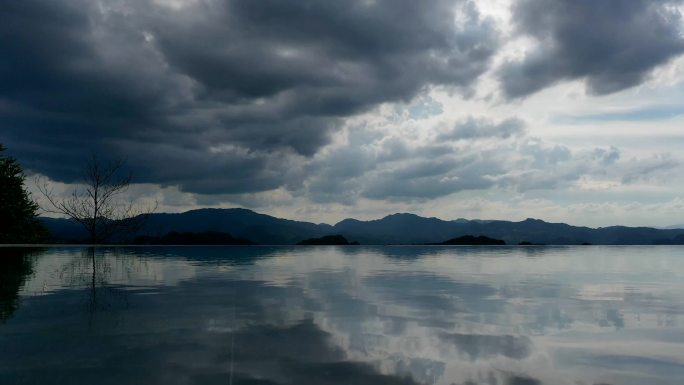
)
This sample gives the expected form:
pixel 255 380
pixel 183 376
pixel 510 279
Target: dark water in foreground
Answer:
pixel 355 315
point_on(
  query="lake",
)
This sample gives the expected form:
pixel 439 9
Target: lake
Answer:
pixel 342 315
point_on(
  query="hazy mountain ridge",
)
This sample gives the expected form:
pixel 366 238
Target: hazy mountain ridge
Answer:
pixel 401 228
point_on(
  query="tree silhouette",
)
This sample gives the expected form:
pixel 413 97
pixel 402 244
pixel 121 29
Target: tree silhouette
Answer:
pixel 97 204
pixel 16 265
pixel 18 212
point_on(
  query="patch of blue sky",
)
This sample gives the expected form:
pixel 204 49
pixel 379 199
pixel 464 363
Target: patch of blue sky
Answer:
pixel 422 108
pixel 653 113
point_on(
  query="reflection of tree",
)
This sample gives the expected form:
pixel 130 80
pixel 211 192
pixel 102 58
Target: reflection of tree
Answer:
pixel 87 271
pixel 92 270
pixel 16 264
pixel 95 274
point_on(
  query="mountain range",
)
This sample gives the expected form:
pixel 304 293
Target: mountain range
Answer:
pixel 400 228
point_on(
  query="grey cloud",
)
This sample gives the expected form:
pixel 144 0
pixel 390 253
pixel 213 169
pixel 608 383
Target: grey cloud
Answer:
pixel 473 128
pixel 335 176
pixel 224 97
pixel 659 167
pixel 431 179
pixel 198 170
pixel 611 44
pixel 271 79
pixel 607 156
pixel 393 149
pixel 544 155
pixel 425 168
pixel 381 167
pixel 397 170
pixel 394 168
pixel 545 166
pixel 539 179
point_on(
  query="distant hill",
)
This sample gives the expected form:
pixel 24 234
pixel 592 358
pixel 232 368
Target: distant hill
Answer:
pixel 397 228
pixel 413 229
pixel 393 229
pixel 260 228
pixel 65 231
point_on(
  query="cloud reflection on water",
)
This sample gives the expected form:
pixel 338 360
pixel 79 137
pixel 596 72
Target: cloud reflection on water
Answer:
pixel 354 315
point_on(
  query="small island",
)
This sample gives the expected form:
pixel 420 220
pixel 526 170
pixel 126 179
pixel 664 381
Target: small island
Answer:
pixel 328 240
pixel 470 240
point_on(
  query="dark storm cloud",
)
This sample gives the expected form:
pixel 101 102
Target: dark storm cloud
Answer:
pixel 612 44
pixel 217 89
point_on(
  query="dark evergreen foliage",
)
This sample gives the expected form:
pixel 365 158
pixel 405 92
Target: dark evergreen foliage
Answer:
pixel 18 213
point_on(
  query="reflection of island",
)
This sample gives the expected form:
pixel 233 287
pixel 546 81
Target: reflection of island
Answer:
pixel 16 264
pixel 330 240
pixel 469 240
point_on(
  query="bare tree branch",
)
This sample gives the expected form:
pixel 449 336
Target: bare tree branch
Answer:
pixel 98 205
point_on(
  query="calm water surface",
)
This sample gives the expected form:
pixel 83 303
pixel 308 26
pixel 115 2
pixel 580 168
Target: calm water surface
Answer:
pixel 342 315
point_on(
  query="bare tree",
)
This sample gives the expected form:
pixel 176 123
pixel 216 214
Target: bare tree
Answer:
pixel 97 203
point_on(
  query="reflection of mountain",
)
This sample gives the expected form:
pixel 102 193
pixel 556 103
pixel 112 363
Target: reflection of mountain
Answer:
pixel 15 266
pixel 210 255
pixel 201 238
pixel 393 229
pixel 329 240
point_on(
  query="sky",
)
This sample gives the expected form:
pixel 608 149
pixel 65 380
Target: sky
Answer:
pixel 563 110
